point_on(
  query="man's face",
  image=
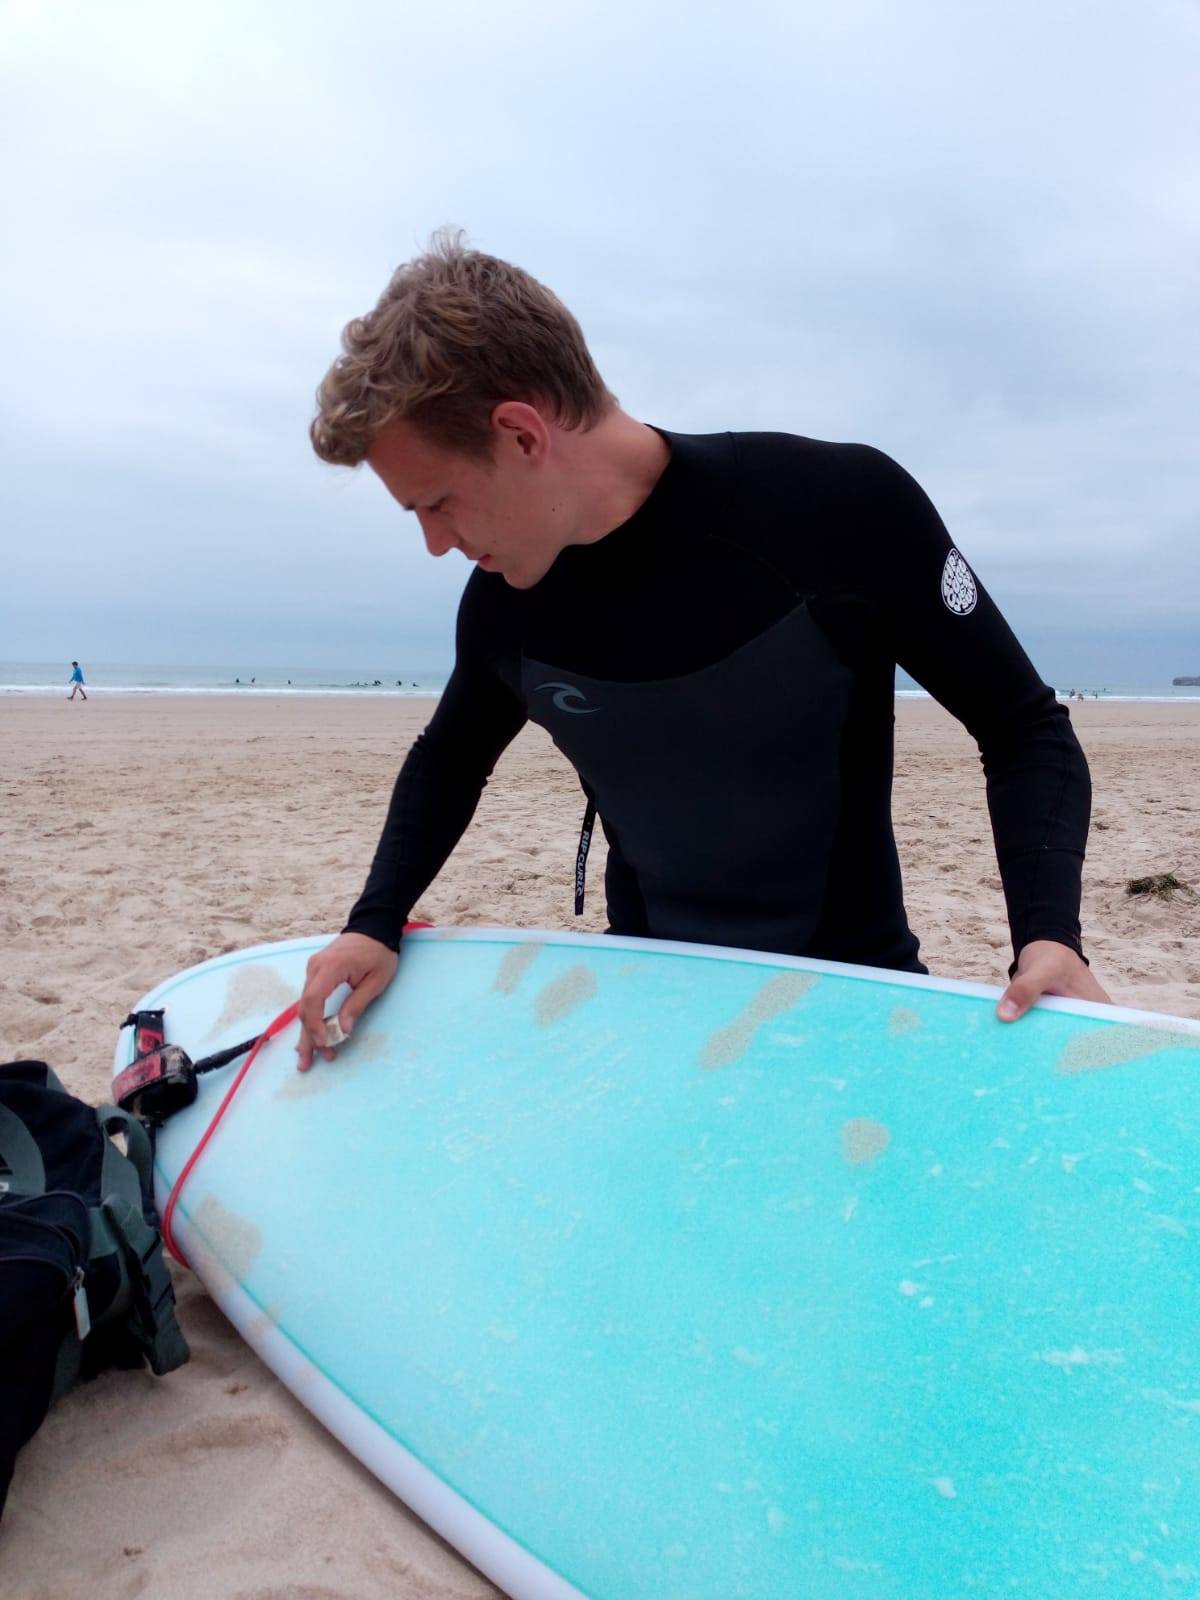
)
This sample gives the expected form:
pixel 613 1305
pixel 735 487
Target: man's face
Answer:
pixel 498 513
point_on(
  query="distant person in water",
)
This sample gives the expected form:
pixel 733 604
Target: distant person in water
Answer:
pixel 76 681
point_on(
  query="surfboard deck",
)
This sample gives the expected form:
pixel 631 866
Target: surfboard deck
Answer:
pixel 664 1270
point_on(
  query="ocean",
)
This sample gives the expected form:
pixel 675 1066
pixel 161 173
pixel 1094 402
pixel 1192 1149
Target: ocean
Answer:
pixel 125 677
pixel 47 678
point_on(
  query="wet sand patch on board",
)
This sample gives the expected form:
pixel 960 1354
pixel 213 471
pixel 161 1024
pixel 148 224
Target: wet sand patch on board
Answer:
pixel 324 1075
pixel 902 1022
pixel 514 966
pixel 863 1140
pixel 233 1239
pixel 253 991
pixel 1118 1044
pixel 562 994
pixel 777 995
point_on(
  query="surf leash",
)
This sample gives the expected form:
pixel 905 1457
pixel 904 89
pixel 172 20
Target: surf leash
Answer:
pixel 161 1078
pixel 168 1234
pixel 223 1058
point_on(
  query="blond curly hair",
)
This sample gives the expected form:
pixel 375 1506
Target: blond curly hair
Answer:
pixel 455 333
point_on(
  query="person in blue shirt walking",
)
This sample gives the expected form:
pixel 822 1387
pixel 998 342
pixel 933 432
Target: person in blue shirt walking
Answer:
pixel 77 681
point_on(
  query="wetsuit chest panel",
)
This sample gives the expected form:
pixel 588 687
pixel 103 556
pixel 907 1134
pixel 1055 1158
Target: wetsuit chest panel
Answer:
pixel 721 788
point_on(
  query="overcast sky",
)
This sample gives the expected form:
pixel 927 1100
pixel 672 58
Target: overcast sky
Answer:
pixel 966 233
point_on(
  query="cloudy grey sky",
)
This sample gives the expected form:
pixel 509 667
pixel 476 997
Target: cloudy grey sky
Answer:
pixel 966 233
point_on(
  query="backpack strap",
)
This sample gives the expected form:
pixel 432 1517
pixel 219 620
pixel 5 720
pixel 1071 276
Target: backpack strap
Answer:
pixel 120 1180
pixel 125 1181
pixel 129 1175
pixel 19 1153
pixel 152 1319
pixel 139 1147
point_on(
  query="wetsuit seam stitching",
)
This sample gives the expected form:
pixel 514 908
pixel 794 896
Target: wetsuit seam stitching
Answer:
pixel 1040 853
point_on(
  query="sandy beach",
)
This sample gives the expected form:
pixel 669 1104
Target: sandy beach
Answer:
pixel 143 834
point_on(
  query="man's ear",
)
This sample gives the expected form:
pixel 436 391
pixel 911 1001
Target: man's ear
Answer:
pixel 520 424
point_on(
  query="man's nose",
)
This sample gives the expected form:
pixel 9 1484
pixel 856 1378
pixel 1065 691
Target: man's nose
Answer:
pixel 437 539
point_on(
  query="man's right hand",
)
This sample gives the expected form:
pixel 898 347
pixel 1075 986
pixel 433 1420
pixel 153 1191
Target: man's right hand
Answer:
pixel 365 964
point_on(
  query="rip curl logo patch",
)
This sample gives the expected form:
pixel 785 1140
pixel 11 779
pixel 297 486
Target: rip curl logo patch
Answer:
pixel 566 693
pixel 958 585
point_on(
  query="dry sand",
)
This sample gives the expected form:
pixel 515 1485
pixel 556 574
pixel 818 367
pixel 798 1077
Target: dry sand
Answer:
pixel 141 835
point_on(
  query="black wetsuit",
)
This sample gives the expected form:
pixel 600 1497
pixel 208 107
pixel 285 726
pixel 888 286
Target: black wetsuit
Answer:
pixel 720 672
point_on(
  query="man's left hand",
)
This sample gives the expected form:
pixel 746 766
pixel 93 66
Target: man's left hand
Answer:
pixel 1047 967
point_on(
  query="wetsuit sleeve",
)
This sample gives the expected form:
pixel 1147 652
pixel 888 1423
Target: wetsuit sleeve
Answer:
pixel 443 776
pixel 946 632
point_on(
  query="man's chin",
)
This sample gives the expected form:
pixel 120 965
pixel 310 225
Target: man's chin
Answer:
pixel 518 578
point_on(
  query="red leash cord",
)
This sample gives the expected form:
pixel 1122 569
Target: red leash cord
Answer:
pixel 280 1022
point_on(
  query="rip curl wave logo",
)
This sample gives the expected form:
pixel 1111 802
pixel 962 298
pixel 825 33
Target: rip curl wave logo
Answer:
pixel 566 693
pixel 958 585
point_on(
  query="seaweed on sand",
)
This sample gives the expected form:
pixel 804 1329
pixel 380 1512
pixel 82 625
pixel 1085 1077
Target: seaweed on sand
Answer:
pixel 1161 886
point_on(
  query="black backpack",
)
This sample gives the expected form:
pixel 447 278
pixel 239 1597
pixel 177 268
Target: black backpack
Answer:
pixel 83 1283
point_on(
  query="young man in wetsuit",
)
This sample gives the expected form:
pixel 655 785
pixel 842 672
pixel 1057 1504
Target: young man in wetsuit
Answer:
pixel 708 626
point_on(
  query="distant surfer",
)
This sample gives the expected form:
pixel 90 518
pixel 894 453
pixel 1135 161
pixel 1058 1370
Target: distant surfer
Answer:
pixel 76 682
pixel 708 626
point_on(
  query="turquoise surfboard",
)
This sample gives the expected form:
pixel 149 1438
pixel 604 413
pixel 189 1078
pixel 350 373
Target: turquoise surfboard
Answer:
pixel 642 1269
